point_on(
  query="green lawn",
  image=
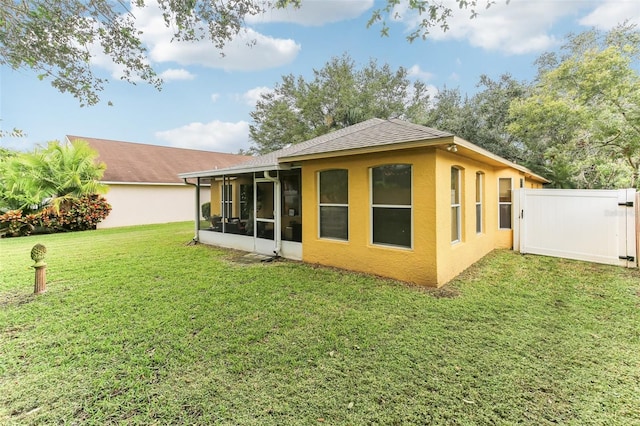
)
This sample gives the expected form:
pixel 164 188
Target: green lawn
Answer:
pixel 139 328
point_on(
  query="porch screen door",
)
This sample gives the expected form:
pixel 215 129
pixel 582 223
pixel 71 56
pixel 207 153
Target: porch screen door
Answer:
pixel 266 213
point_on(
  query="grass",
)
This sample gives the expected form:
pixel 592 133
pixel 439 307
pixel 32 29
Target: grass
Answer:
pixel 139 328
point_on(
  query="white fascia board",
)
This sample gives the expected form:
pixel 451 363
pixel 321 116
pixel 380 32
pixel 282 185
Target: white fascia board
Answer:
pixel 235 171
pixel 475 148
pixel 145 183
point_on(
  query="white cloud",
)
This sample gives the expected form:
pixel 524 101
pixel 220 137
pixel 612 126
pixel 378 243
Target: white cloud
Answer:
pixel 518 27
pixel 176 74
pixel 215 97
pixel 249 50
pixel 417 72
pixel 611 13
pixel 315 13
pixel 251 96
pixel 213 136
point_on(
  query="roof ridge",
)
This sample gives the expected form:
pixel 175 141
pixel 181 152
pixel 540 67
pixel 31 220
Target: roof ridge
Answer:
pixel 86 138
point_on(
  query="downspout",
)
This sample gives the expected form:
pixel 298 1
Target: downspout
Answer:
pixel 196 185
pixel 276 205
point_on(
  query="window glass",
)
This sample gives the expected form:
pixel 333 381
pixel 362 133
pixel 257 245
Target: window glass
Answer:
pixel 479 183
pixel 505 216
pixel 227 200
pixel 455 205
pixel 391 205
pixel 246 201
pixel 392 226
pixel 504 185
pixel 264 200
pixel 505 190
pixel 333 194
pixel 334 222
pixel 455 186
pixel 392 184
pixel 334 186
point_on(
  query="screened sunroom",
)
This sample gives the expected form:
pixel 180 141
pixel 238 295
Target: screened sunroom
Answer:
pixel 255 209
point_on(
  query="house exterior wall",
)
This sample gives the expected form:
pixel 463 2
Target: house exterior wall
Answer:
pixel 136 204
pixel 215 195
pixel 455 257
pixel 433 259
pixel 417 264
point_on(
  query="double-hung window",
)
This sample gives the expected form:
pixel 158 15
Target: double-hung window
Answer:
pixel 333 199
pixel 504 203
pixel 479 190
pixel 456 206
pixel 227 200
pixel 391 205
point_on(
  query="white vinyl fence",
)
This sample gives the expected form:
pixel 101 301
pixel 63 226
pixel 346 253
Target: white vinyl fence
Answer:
pixel 592 225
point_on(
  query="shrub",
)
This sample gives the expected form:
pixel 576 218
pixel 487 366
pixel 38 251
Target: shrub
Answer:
pixel 77 214
pixel 13 224
pixel 206 210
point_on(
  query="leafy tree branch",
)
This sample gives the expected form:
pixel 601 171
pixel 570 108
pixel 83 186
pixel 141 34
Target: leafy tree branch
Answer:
pixel 57 39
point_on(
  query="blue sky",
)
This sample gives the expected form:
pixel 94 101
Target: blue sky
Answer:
pixel 206 99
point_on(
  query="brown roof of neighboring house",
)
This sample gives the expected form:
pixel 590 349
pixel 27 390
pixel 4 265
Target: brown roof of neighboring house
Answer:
pixel 141 163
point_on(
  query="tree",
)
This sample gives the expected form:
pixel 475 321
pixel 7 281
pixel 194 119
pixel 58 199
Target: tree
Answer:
pixel 582 117
pixel 54 38
pixel 338 96
pixel 482 118
pixel 49 176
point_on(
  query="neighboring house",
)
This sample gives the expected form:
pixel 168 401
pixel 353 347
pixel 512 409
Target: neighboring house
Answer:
pixel 385 197
pixel 144 187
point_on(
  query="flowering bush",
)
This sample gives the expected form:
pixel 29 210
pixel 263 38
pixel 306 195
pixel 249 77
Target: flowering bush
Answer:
pixel 76 214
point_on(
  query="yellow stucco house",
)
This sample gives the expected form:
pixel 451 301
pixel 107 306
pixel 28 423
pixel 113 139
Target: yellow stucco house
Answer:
pixel 385 197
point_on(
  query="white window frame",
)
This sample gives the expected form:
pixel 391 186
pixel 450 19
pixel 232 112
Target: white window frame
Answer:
pixel 321 204
pixel 505 203
pixel 479 200
pixel 226 205
pixel 374 206
pixel 456 205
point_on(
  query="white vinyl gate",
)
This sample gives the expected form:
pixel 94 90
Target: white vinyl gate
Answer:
pixel 592 225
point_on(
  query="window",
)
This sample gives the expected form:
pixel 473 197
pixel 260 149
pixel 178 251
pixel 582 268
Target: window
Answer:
pixel 504 204
pixel 333 199
pixel 456 217
pixel 479 190
pixel 226 206
pixel 290 193
pixel 246 201
pixel 391 205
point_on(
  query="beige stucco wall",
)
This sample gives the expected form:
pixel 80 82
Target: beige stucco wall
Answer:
pixel 134 204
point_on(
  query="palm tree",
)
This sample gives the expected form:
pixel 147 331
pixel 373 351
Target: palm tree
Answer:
pixel 51 176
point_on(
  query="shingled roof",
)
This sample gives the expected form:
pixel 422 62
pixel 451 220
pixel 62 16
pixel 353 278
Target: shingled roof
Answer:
pixel 373 134
pixel 370 133
pixel 129 162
